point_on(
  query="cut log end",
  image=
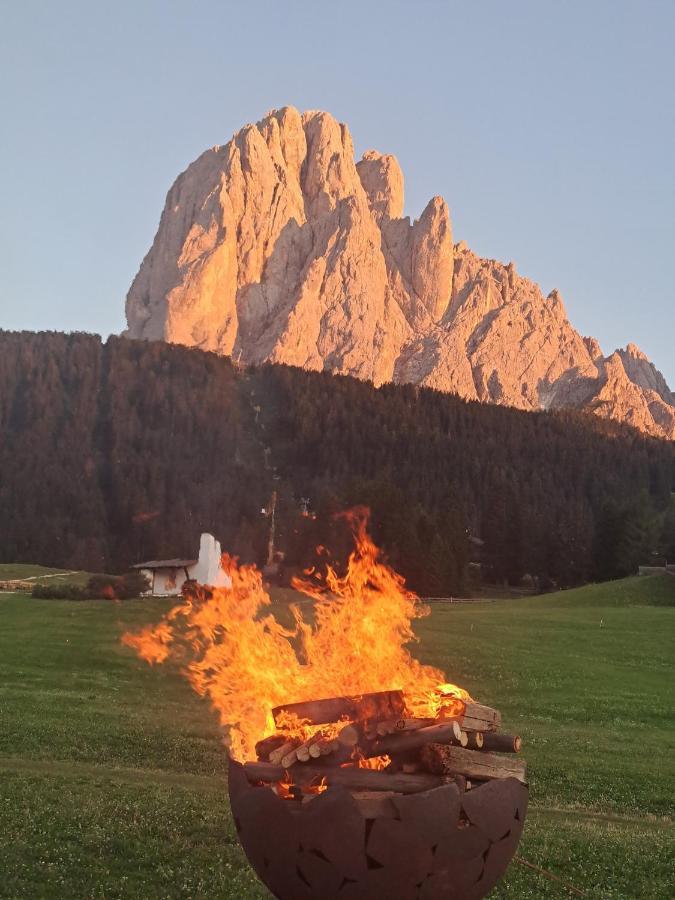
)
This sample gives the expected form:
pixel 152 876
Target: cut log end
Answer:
pixel 276 756
pixel 269 745
pixel 474 740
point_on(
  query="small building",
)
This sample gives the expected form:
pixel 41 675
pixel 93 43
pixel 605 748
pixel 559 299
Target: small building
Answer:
pixel 167 576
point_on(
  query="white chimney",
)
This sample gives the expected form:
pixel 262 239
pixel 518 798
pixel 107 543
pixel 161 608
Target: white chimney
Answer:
pixel 209 569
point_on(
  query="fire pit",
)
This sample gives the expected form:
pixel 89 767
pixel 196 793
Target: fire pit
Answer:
pixel 379 779
pixel 439 843
pixel 434 818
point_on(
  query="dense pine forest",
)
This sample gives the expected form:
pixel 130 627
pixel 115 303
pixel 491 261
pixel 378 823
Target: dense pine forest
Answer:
pixel 115 452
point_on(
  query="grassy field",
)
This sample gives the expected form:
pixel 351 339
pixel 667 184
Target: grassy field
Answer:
pixel 112 773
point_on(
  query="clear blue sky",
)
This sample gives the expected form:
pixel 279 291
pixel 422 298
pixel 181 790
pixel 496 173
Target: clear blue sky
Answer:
pixel 549 127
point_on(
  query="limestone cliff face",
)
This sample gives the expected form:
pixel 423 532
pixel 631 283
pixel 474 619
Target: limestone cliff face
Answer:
pixel 279 246
pixel 618 396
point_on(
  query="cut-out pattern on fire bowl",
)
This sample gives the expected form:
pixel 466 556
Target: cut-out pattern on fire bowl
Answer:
pixel 437 844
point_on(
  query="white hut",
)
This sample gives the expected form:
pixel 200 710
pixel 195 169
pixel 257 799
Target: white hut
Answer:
pixel 167 576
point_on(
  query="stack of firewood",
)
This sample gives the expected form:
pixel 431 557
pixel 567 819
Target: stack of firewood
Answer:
pixel 420 753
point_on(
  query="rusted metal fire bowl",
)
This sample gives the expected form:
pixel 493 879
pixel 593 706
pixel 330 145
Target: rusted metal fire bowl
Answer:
pixel 437 844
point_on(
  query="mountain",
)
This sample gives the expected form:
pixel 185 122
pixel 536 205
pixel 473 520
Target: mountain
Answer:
pixel 279 247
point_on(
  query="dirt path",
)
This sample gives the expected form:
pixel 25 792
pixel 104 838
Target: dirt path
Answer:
pixel 53 575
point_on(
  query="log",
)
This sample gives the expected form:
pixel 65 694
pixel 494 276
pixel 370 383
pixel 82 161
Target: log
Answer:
pixel 320 745
pixel 446 732
pixel 369 728
pixel 351 778
pixel 415 724
pixel 326 748
pixel 480 718
pixel 350 735
pixel 394 726
pixel 474 740
pixel 502 743
pixel 302 751
pixel 379 705
pixel 478 711
pixel 305 751
pixel 443 759
pixel 330 752
pixel 277 755
pixel 267 745
pixel 384 727
pixel 405 756
pixel 290 758
pixel 337 757
pixel 471 724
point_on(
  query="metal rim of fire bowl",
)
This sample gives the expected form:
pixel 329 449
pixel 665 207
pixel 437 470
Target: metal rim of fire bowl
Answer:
pixel 426 846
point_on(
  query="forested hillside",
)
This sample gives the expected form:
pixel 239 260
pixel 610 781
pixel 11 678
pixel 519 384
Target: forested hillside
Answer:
pixel 120 451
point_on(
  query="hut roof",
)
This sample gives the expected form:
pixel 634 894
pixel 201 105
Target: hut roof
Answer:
pixel 165 564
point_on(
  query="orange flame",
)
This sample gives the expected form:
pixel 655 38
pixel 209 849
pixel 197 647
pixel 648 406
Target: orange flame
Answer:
pixel 287 790
pixel 235 653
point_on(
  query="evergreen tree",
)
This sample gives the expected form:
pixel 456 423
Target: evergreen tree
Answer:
pixel 112 453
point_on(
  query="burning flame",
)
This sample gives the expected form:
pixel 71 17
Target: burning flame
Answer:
pixel 289 791
pixel 236 654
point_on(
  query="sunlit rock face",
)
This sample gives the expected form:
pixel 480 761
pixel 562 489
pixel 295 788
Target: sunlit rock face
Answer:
pixel 617 396
pixel 279 246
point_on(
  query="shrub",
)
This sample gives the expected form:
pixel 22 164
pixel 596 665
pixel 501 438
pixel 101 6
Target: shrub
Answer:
pixel 133 584
pixel 63 591
pixel 117 587
pixel 99 587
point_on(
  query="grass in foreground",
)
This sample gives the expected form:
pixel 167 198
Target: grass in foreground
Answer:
pixel 112 773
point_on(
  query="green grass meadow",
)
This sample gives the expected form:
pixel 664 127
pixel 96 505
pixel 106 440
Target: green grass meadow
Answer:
pixel 112 773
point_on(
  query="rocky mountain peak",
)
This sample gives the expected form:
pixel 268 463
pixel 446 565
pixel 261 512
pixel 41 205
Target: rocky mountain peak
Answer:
pixel 382 180
pixel 280 246
pixel 644 373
